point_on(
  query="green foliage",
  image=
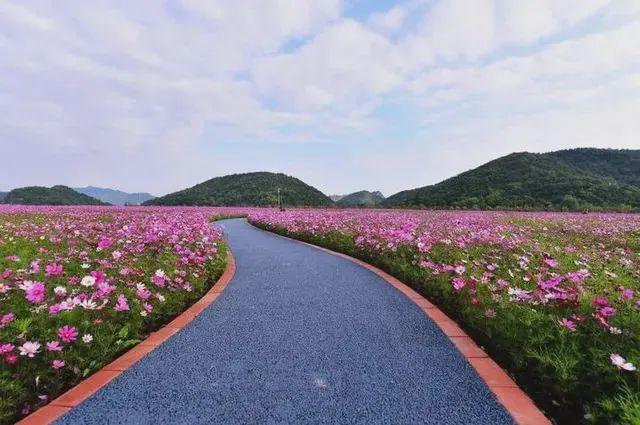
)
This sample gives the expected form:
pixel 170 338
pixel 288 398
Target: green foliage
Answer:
pixel 363 198
pixel 56 195
pixel 575 180
pixel 250 189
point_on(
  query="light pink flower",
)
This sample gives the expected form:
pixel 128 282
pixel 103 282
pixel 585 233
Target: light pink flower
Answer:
pixel 58 364
pixel 29 349
pixel 619 361
pixel 568 324
pixel 54 346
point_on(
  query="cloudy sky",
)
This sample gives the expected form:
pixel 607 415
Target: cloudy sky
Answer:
pixel 346 95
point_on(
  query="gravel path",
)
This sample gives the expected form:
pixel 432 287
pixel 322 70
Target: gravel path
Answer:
pixel 298 336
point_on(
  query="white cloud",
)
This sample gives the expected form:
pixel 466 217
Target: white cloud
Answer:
pixel 90 86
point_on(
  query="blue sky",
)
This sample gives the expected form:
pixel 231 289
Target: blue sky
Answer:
pixel 346 95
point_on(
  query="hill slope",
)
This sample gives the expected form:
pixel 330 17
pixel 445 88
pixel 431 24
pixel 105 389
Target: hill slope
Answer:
pixel 2 195
pixel 571 179
pixel 363 198
pixel 249 189
pixel 115 197
pixel 56 195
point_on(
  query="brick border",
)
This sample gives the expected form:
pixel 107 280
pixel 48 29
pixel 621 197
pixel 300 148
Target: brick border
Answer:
pixel 513 399
pixel 76 395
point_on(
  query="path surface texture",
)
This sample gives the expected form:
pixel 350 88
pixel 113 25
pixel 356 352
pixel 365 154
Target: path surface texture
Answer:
pixel 299 336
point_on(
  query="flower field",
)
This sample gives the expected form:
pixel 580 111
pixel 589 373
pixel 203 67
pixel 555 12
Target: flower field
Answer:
pixel 80 285
pixel 555 298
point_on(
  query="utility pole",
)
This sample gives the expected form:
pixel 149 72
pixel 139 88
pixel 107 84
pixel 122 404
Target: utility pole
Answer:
pixel 279 204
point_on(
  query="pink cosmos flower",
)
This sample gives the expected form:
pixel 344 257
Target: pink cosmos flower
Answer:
pixel 29 349
pixel 35 266
pixel 159 278
pixel 458 284
pixel 54 346
pixel 68 333
pixel 627 294
pixel 54 270
pixel 122 303
pixel 460 269
pixel 568 324
pixel 104 243
pixel 551 262
pixel 5 319
pixel 490 313
pixel 11 359
pixel 35 292
pixel 6 348
pixel 57 364
pixel 621 363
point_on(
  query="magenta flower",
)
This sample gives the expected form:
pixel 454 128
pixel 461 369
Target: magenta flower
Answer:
pixel 6 348
pixel 458 284
pixel 104 243
pixel 35 292
pixel 122 303
pixel 68 333
pixel 53 270
pixel 11 358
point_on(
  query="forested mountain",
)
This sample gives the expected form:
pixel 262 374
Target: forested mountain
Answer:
pixel 577 179
pixel 249 189
pixel 56 195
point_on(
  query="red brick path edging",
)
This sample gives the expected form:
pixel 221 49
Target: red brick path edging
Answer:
pixel 76 395
pixel 513 399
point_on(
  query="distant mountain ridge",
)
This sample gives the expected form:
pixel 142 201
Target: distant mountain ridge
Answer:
pixel 2 195
pixel 115 197
pixel 363 198
pixel 574 179
pixel 248 189
pixel 56 195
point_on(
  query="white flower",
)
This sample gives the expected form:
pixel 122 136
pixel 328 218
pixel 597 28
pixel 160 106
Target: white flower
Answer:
pixel 29 348
pixel 621 363
pixel 160 273
pixel 116 255
pixel 87 338
pixel 85 266
pixel 60 291
pixel 88 281
pixel 88 304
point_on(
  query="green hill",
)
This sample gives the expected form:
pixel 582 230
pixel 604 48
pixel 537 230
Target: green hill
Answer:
pixel 56 195
pixel 362 198
pixel 250 189
pixel 574 179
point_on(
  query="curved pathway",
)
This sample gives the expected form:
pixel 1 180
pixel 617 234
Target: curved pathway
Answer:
pixel 298 336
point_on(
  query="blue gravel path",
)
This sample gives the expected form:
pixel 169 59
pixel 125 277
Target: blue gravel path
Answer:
pixel 298 336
